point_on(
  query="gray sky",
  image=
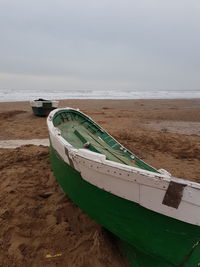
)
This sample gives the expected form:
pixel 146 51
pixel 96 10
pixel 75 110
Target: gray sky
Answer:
pixel 90 44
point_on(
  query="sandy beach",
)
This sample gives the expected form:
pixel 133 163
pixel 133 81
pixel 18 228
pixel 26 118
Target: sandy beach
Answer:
pixel 42 227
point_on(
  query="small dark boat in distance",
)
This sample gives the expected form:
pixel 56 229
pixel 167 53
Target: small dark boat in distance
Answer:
pixel 42 107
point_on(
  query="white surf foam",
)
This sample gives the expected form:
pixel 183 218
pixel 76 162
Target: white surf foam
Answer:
pixel 27 95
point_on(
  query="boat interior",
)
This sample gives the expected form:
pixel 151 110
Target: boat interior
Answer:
pixel 81 132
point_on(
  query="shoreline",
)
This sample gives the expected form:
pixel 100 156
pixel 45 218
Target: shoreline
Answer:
pixel 107 99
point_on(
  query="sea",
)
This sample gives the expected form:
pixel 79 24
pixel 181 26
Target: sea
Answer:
pixel 7 95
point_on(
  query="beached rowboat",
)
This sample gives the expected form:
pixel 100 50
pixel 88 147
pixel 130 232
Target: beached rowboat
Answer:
pixel 156 213
pixel 42 107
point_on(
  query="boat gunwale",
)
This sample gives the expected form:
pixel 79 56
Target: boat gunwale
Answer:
pixel 39 103
pixel 111 163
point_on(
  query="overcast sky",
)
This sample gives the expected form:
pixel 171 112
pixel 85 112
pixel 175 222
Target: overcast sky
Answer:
pixel 90 44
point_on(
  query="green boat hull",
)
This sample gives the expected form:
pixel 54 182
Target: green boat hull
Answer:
pixel 42 111
pixel 153 237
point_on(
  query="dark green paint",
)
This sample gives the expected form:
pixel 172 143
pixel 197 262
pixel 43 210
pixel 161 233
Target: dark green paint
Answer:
pixel 151 239
pixel 42 111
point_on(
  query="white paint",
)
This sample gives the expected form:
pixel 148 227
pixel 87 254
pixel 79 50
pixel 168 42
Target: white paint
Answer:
pixel 143 187
pixel 40 103
pixel 17 143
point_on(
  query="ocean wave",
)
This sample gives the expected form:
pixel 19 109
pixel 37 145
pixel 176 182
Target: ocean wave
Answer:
pixel 27 95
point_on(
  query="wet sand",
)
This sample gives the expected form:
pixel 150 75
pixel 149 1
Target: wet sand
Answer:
pixel 42 227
